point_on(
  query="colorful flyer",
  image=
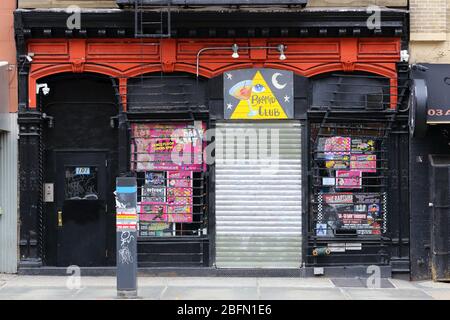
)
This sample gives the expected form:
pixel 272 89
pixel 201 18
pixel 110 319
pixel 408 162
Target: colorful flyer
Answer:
pixel 152 212
pixel 363 145
pixel 348 179
pixel 338 198
pixel 337 148
pixel 338 164
pixel 179 196
pixel 126 219
pixel 155 229
pixel 155 178
pixel 353 218
pixel 153 194
pixel 164 147
pixel 364 163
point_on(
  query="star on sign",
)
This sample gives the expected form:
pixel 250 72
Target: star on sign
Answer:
pixel 229 106
pixel 229 76
pixel 287 98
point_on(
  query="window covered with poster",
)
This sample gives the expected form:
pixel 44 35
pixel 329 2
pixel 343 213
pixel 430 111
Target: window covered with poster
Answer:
pixel 168 161
pixel 349 180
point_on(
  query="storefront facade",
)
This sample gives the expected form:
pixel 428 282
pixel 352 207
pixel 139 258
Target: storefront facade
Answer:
pixel 305 123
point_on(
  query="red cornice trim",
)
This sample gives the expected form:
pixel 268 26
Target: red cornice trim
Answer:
pixel 126 58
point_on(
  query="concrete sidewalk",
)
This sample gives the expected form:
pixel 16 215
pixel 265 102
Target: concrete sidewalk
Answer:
pixel 101 288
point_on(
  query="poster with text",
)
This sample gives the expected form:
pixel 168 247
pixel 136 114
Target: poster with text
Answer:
pixel 348 179
pixel 364 163
pixel 152 212
pixel 163 147
pixel 180 196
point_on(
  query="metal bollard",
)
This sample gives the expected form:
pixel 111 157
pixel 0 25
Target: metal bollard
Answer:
pixel 126 237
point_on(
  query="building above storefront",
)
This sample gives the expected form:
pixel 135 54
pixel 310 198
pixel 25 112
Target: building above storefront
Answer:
pixel 114 3
pixel 116 23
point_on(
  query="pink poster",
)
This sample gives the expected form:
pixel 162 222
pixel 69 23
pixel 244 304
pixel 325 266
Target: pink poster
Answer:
pixel 348 179
pixel 364 163
pixel 179 196
pixel 152 212
pixel 168 147
pixel 336 148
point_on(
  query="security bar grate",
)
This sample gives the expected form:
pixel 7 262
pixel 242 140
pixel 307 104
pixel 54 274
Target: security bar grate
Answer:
pixel 349 183
pixel 172 192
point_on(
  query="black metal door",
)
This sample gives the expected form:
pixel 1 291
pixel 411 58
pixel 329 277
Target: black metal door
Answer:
pixel 440 205
pixel 80 192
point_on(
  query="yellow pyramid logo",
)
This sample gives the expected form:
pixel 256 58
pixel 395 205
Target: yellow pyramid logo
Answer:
pixel 262 103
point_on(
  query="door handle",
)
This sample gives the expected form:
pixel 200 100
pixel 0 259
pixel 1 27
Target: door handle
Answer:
pixel 60 219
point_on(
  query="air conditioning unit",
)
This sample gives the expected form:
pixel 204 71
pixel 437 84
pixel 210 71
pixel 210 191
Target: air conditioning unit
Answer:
pixel 150 3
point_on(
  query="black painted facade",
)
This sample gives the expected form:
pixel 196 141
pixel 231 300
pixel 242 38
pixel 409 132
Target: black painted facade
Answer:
pixel 93 120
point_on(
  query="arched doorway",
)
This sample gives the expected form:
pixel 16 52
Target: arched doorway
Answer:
pixel 79 163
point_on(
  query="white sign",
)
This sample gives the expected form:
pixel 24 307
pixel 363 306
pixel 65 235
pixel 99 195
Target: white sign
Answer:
pixel 328 181
pixel 83 171
pixel 353 246
pixel 49 192
pixel 336 247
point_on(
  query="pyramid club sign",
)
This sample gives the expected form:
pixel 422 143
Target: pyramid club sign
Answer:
pixel 258 94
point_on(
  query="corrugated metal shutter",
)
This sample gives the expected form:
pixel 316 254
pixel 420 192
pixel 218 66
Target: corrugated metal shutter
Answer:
pixel 8 197
pixel 258 202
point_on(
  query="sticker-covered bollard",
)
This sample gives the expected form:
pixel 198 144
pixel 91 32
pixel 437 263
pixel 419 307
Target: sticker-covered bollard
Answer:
pixel 126 232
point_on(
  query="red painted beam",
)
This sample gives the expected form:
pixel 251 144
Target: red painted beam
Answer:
pixel 125 58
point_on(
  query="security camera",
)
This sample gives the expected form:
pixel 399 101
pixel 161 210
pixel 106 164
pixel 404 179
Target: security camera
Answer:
pixel 419 67
pixel 28 57
pixel 404 56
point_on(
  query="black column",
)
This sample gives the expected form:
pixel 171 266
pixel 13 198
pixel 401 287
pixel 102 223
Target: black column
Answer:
pixel 29 122
pixel 30 179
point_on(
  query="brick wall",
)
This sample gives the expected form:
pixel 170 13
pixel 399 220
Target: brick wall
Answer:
pixel 357 3
pixel 428 20
pixel 430 31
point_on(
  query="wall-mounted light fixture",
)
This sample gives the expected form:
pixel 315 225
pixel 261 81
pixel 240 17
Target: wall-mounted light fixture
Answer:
pixel 44 87
pixel 235 49
pixel 49 119
pixel 282 48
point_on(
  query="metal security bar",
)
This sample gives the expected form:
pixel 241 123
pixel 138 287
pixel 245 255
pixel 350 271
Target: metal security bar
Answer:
pixel 172 202
pixel 166 93
pixel 349 182
pixel 362 92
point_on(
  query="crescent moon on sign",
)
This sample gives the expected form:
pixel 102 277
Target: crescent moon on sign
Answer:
pixel 275 82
